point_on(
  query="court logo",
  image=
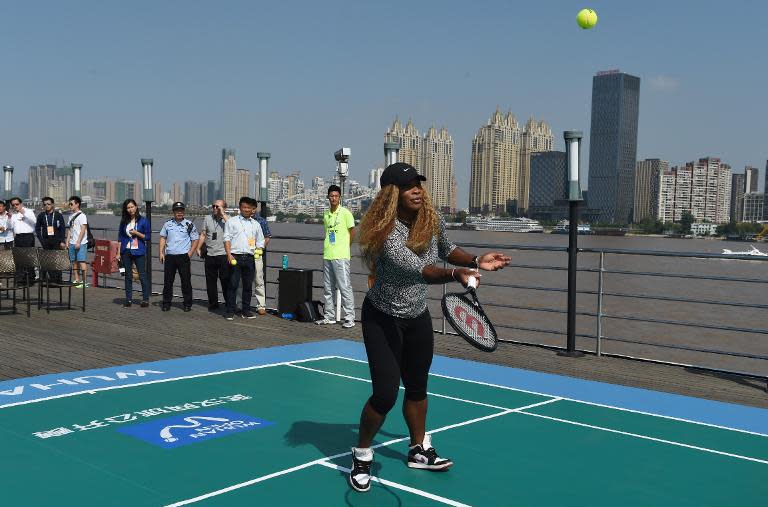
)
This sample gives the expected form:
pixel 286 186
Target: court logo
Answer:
pixel 197 427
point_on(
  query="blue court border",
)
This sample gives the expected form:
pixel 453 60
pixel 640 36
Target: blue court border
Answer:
pixel 26 390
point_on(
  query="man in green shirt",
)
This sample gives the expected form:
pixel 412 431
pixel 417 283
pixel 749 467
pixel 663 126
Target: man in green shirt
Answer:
pixel 339 227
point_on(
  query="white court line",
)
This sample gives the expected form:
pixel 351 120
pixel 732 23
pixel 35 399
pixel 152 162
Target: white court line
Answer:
pixel 348 453
pixel 401 387
pixel 645 437
pixel 581 401
pixel 397 485
pixel 160 381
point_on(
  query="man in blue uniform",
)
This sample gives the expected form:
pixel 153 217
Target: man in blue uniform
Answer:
pixel 178 242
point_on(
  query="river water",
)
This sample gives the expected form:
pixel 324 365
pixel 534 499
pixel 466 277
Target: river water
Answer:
pixel 539 296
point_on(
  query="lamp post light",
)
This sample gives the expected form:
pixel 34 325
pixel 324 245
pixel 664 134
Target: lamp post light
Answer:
pixel 7 181
pixel 262 190
pixel 76 171
pixel 342 166
pixel 391 153
pixel 149 195
pixel 573 189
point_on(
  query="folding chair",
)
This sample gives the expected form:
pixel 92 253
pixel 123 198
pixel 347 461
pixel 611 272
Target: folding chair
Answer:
pixel 56 262
pixel 9 273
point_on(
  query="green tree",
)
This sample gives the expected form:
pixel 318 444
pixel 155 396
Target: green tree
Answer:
pixel 685 222
pixel 280 216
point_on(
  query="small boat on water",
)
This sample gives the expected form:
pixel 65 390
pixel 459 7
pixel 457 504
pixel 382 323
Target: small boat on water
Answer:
pixel 563 227
pixel 516 224
pixel 754 252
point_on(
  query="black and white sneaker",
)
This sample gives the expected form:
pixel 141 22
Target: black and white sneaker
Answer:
pixel 424 457
pixel 360 475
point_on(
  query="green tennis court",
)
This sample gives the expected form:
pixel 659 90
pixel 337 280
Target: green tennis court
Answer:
pixel 280 434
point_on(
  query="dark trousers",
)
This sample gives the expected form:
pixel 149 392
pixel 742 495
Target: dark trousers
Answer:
pixel 182 264
pixel 244 271
pixel 51 244
pixel 25 240
pixel 398 349
pixel 8 245
pixel 141 266
pixel 216 269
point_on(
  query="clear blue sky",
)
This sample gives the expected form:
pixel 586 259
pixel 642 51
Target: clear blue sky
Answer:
pixel 106 83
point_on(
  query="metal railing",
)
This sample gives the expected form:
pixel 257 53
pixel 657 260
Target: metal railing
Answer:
pixel 606 324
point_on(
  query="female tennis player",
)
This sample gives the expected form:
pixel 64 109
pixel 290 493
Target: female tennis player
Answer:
pixel 401 239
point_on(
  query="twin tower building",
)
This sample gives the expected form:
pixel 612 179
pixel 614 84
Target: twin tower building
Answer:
pixel 501 168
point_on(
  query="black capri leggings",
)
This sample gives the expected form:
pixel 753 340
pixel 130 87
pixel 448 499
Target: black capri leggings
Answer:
pixel 397 349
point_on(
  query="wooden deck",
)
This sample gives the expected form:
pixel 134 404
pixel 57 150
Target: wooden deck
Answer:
pixel 108 335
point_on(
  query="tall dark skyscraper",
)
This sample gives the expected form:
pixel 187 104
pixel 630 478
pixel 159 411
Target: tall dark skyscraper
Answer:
pixel 613 144
pixel 765 193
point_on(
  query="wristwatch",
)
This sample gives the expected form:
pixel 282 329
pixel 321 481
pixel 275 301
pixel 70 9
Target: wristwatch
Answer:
pixel 475 264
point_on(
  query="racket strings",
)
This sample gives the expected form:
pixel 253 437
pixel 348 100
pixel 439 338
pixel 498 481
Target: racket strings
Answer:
pixel 465 317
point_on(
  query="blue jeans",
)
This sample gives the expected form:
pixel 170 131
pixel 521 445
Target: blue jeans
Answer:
pixel 140 261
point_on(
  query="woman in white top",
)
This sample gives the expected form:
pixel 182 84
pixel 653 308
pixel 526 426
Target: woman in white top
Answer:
pixel 6 227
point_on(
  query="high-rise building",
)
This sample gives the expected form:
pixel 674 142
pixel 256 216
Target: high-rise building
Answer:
pixel 374 179
pixel 495 165
pixel 410 143
pixel 193 193
pixel 752 175
pixel 613 144
pixel 765 192
pixel 548 176
pixel 39 177
pixel 647 179
pixel 753 206
pixel 702 188
pixel 431 155
pixel 124 189
pixel 243 184
pixel 454 191
pixel 738 189
pixel 228 180
pixel 536 137
pixel 437 167
pixel 212 192
pixel 176 195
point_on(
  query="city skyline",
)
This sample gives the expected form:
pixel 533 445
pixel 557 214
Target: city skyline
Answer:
pixel 196 79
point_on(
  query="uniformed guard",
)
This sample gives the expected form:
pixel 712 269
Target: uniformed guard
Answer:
pixel 178 241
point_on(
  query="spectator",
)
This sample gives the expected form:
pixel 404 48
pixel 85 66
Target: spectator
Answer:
pixel 51 232
pixel 212 250
pixel 178 242
pixel 133 234
pixel 23 225
pixel 242 235
pixel 259 285
pixel 339 227
pixel 77 239
pixel 6 227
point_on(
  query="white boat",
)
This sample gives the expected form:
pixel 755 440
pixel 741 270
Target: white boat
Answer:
pixel 754 252
pixel 516 224
pixel 563 227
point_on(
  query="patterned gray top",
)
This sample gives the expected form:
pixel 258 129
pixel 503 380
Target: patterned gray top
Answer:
pixel 400 289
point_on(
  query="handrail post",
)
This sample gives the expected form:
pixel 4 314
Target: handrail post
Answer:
pixel 599 333
pixel 573 250
pixel 445 290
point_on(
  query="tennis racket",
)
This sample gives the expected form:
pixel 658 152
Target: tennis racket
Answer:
pixel 463 312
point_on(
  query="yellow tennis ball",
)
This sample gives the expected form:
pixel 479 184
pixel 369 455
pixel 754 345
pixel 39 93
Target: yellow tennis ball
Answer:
pixel 586 18
pixel 233 262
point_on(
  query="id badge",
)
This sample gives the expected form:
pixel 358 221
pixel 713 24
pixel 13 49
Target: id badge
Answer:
pixel 213 237
pixel 332 237
pixel 50 230
pixel 251 243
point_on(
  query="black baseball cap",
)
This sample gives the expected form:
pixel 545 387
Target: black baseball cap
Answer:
pixel 178 205
pixel 400 174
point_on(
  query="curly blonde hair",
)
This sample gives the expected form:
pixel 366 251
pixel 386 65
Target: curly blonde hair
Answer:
pixel 378 222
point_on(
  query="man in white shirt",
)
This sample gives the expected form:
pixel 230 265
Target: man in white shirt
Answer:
pixel 23 221
pixel 77 239
pixel 242 235
pixel 6 227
